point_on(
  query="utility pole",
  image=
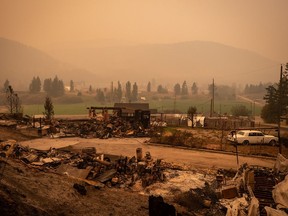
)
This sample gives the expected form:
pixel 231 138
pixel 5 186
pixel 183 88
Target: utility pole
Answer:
pixel 112 93
pixel 212 100
pixel 174 104
pixel 280 109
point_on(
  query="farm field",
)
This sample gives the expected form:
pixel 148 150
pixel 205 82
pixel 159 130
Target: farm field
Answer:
pixel 165 105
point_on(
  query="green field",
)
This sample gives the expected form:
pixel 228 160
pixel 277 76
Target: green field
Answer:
pixel 179 105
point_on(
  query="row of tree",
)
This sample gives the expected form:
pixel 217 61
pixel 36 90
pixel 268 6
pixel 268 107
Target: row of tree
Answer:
pixel 53 87
pixel 116 94
pixel 256 89
pixel 276 99
pixel 178 89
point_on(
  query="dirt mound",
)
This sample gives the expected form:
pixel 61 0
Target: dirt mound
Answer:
pixel 9 133
pixel 29 191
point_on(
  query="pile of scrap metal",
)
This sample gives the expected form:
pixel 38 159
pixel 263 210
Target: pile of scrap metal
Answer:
pixel 87 166
pixel 256 190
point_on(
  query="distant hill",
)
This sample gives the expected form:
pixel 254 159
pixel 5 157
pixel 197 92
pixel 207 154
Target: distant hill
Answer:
pixel 196 61
pixel 19 63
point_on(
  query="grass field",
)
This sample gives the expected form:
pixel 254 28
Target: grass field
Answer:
pixel 202 104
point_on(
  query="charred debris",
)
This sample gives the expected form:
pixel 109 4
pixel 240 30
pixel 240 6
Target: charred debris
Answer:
pixel 251 190
pixel 101 122
pixel 87 166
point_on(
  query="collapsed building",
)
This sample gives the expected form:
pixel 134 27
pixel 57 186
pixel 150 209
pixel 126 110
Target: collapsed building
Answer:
pixel 256 190
pixel 251 191
pixel 88 166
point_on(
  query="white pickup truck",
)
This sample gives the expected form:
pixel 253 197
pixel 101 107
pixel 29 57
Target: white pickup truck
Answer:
pixel 247 137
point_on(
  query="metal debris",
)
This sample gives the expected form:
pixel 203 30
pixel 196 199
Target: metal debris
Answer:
pixel 258 190
pixel 89 167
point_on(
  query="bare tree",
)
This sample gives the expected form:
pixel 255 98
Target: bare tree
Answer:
pixel 13 101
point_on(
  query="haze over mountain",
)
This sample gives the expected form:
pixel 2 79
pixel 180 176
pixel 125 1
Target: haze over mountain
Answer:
pixel 196 61
pixel 19 63
pixel 168 41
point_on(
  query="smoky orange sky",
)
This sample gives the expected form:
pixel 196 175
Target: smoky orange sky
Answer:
pixel 257 25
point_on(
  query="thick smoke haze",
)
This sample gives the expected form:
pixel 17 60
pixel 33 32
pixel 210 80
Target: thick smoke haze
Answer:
pixel 72 31
pixel 258 25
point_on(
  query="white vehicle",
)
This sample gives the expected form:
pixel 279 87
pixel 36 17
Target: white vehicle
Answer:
pixel 247 137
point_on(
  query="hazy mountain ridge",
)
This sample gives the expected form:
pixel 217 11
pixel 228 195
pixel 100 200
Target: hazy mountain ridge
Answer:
pixel 19 63
pixel 196 61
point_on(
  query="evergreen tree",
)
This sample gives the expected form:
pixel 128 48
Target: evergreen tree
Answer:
pixel 270 111
pixel 161 89
pixel 6 85
pixel 194 89
pixel 54 88
pixel 61 88
pixel 276 100
pixel 38 84
pixel 177 89
pixel 32 86
pixel 100 95
pixel 35 85
pixel 119 92
pixel 184 88
pixel 251 89
pixel 71 86
pixel 135 92
pixel 90 89
pixel 128 91
pixel 47 85
pixel 149 87
pixel 49 108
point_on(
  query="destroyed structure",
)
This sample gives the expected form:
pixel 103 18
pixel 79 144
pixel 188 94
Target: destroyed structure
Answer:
pixel 89 166
pixel 252 191
pixel 255 191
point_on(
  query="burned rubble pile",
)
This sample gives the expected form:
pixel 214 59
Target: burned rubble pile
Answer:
pixel 255 190
pixel 89 167
pixel 115 127
pixel 251 191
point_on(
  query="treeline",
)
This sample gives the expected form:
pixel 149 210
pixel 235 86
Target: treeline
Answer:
pixel 276 107
pixel 177 90
pixel 128 92
pixel 53 87
pixel 117 94
pixel 256 89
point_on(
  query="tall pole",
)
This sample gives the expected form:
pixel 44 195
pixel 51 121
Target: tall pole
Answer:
pixel 174 103
pixel 213 93
pixel 280 109
pixel 212 100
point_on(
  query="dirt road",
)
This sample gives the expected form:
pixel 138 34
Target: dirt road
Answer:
pixel 128 146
